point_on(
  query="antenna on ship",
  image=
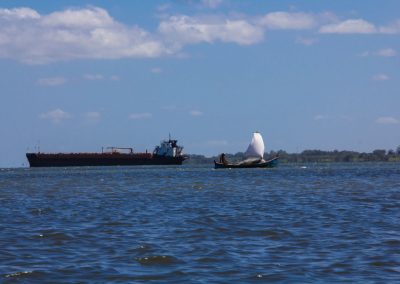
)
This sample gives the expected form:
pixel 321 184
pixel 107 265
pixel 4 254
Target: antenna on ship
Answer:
pixel 38 146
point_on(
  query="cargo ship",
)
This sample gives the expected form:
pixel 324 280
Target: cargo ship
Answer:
pixel 167 153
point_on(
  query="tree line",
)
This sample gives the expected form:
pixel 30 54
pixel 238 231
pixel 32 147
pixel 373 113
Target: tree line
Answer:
pixel 312 156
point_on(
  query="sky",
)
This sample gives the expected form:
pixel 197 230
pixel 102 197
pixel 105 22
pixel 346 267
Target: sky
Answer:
pixel 77 76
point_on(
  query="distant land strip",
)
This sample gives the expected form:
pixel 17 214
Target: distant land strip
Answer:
pixel 311 156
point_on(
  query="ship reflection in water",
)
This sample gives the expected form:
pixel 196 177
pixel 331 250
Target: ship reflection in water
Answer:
pixel 167 153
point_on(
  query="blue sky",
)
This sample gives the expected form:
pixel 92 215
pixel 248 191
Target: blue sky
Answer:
pixel 77 75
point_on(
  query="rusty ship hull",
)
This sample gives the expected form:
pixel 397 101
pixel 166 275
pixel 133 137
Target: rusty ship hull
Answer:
pixel 100 159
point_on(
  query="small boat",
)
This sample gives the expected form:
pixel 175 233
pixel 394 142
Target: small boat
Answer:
pixel 254 157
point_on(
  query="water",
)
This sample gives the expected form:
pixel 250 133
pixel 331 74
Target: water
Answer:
pixel 302 223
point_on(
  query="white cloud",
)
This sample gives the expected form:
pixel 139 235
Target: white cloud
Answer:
pixel 380 77
pixel 29 37
pixel 183 29
pixel 144 115
pixel 56 115
pixel 387 120
pixel 352 26
pixel 286 21
pixel 196 113
pixel 386 52
pixel 52 81
pixel 92 33
pixel 115 78
pixel 93 77
pixel 90 18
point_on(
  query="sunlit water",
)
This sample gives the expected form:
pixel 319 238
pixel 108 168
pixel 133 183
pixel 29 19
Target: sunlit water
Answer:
pixel 300 223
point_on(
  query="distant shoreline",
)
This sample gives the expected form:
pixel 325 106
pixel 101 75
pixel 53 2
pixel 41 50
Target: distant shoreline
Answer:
pixel 307 156
pixel 311 156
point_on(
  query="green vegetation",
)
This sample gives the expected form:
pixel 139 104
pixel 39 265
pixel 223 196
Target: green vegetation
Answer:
pixel 312 156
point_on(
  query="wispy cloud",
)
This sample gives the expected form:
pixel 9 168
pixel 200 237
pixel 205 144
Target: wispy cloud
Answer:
pixel 93 77
pixel 306 41
pixel 386 52
pixel 380 77
pixel 52 81
pixel 182 29
pixel 393 28
pixel 288 21
pixel 56 115
pixel 143 115
pixel 321 117
pixel 359 26
pixel 364 54
pixel 200 4
pixel 92 117
pixel 211 3
pixel 163 7
pixel 93 114
pixel 156 70
pixel 196 113
pixel 387 120
pixel 352 26
pixel 100 77
pixel 20 13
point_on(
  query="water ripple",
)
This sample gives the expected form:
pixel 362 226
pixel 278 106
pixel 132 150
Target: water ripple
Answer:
pixel 309 223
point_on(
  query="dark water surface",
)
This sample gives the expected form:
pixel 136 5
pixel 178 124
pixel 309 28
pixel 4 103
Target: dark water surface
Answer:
pixel 320 223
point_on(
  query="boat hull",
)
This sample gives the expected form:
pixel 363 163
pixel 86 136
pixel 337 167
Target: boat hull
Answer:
pixel 99 159
pixel 267 164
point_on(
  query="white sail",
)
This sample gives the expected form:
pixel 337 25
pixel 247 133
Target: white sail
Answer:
pixel 256 147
